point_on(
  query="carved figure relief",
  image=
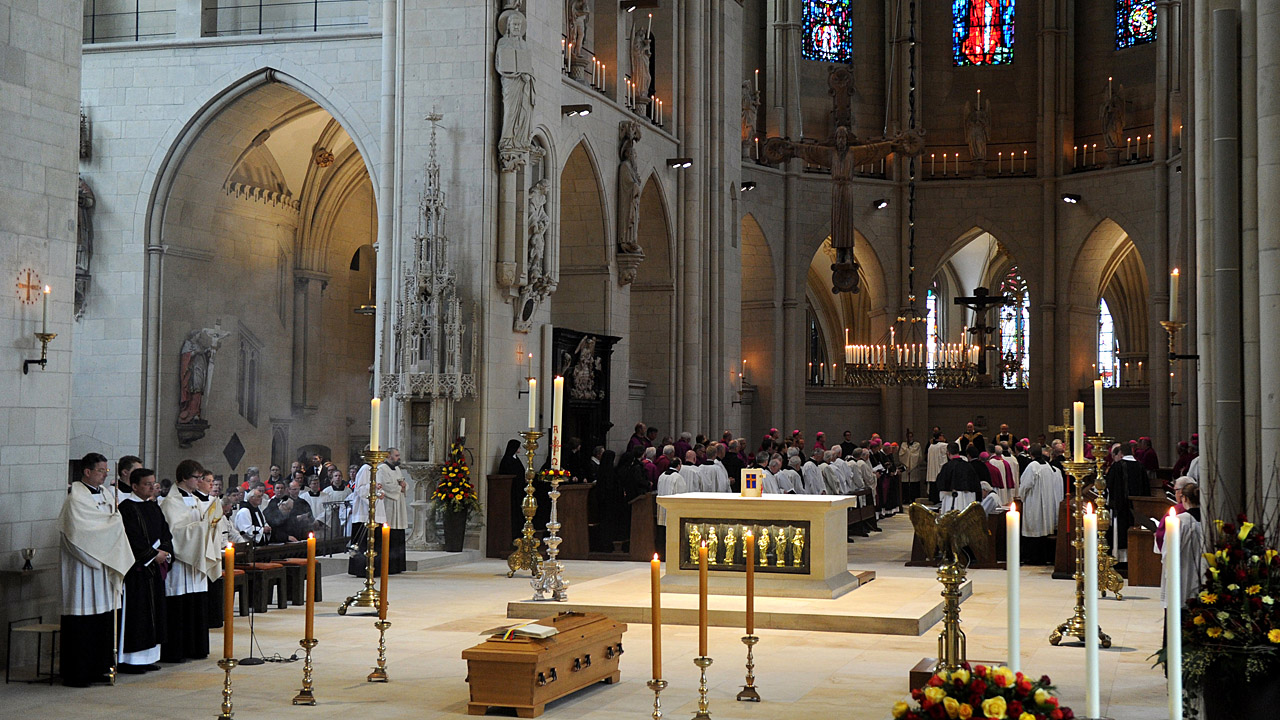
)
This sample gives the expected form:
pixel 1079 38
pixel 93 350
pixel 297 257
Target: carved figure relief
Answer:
pixel 583 365
pixel 515 66
pixel 641 52
pixel 539 222
pixel 195 369
pixel 85 201
pixel 750 116
pixel 579 17
pixel 977 127
pixel 628 188
pixel 1112 113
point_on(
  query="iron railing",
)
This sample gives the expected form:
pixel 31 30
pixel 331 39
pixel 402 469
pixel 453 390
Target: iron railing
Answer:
pixel 114 21
pixel 266 17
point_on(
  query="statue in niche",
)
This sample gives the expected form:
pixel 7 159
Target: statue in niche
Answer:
pixel 628 188
pixel 195 369
pixel 576 36
pixel 539 221
pixel 641 52
pixel 85 201
pixel 977 127
pixel 1113 117
pixel 750 116
pixel 582 365
pixel 513 63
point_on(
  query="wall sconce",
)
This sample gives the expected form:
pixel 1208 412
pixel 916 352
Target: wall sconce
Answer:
pixel 680 163
pixel 631 5
pixel 881 204
pixel 44 336
pixel 748 186
pixel 1070 198
pixel 583 109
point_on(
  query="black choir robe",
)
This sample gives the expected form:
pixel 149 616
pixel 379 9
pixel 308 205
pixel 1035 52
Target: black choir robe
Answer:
pixel 144 608
pixel 1124 478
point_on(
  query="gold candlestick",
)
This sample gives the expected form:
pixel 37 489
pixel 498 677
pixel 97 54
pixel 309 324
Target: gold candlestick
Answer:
pixel 657 685
pixel 1074 625
pixel 368 595
pixel 379 673
pixel 45 338
pixel 305 696
pixel 227 711
pixel 703 663
pixel 1108 578
pixel 749 693
pixel 525 556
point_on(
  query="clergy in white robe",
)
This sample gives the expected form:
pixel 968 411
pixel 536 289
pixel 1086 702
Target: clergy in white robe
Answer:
pixel 845 471
pixel 789 480
pixel 95 555
pixel 813 482
pixel 671 482
pixel 1041 491
pixel 714 477
pixel 936 458
pixel 193 524
pixel 990 500
pixel 1003 477
pixel 393 508
pixel 869 479
pixel 1193 563
pixel 830 477
pixel 692 475
pixel 249 520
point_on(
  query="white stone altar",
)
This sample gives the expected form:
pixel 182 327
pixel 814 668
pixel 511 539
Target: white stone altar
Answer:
pixel 811 531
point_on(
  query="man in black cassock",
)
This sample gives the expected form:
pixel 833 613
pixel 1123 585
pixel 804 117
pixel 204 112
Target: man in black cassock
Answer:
pixel 144 606
pixel 1125 479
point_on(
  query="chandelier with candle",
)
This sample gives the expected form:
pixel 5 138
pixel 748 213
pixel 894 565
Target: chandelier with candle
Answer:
pixel 904 356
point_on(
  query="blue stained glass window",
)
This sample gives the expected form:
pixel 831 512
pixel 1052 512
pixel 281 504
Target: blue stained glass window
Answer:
pixel 827 30
pixel 1108 347
pixel 1135 22
pixel 1015 326
pixel 982 32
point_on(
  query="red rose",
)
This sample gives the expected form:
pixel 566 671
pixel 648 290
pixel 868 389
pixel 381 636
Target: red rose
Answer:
pixel 1067 714
pixel 937 712
pixel 980 670
pixel 1055 715
pixel 978 687
pixel 1242 517
pixel 935 681
pixel 1044 680
pixel 975 700
pixel 1052 700
pixel 1023 686
pixel 917 694
pixel 1015 708
pixel 966 665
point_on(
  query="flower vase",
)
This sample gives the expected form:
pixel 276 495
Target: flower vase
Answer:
pixel 455 529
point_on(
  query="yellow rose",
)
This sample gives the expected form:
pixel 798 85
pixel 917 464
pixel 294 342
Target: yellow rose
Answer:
pixel 944 676
pixel 962 675
pixel 994 707
pixel 899 710
pixel 952 706
pixel 1041 696
pixel 1274 636
pixel 1003 676
pixel 1026 716
pixel 1244 530
pixel 935 694
pixel 966 711
pixel 1214 632
pixel 1271 555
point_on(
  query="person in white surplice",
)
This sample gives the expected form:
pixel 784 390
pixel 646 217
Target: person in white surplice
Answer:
pixel 936 458
pixel 691 474
pixel 1041 490
pixel 193 522
pixel 95 557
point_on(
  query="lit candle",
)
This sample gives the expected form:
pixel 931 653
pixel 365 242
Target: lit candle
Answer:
pixel 1092 701
pixel 933 159
pixel 1173 621
pixel 655 593
pixel 604 78
pixel 1097 406
pixel 533 403
pixel 1128 146
pixel 375 406
pixel 1024 161
pixel 311 587
pixel 228 599
pixel 649 30
pixel 1077 437
pixel 1148 144
pixel 44 314
pixel 557 401
pixel 1013 560
pixel 749 543
pixel 1173 295
pixel 1000 162
pixel 386 566
pixel 757 79
pixel 702 599
pixel 1108 97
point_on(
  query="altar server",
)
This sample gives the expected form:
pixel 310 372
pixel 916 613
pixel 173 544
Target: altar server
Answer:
pixel 1003 477
pixel 936 458
pixel 196 561
pixel 95 557
pixel 670 482
pixel 144 616
pixel 1041 491
pixel 691 474
pixel 813 482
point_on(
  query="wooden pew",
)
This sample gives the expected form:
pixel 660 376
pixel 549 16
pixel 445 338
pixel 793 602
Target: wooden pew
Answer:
pixel 1144 563
pixel 644 528
pixel 498 516
pixel 571 510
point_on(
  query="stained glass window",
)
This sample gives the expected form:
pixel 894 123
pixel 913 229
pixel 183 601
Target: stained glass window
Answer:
pixel 932 334
pixel 1135 22
pixel 982 31
pixel 1015 326
pixel 1108 347
pixel 826 32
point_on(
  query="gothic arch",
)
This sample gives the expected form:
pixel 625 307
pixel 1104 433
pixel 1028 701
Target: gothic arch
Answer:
pixel 1109 265
pixel 871 271
pixel 652 308
pixel 761 313
pixel 583 298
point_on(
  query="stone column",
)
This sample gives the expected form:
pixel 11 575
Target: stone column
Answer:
pixel 792 328
pixel 693 190
pixel 151 361
pixel 1158 391
pixel 308 322
pixel 385 194
pixel 1196 137
pixel 1268 188
pixel 1250 329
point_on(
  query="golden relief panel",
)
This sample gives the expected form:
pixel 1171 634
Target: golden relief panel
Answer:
pixel 781 546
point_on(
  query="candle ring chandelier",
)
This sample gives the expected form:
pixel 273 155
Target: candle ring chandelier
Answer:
pixel 904 356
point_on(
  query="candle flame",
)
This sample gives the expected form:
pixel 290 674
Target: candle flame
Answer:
pixel 1173 512
pixel 47 289
pixel 1088 509
pixel 311 535
pixel 655 556
pixel 1175 271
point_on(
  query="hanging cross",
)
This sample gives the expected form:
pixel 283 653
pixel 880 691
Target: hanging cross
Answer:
pixel 28 286
pixel 1066 428
pixel 980 302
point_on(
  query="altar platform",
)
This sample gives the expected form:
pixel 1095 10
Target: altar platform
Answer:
pixel 885 606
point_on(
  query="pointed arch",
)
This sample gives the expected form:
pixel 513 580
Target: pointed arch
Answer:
pixel 653 309
pixel 1109 266
pixel 586 245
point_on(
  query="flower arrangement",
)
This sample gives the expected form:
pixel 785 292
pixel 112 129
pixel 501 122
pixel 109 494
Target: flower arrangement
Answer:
pixel 454 492
pixel 1233 625
pixel 983 692
pixel 549 473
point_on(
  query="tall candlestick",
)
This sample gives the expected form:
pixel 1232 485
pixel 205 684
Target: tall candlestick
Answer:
pixel 557 402
pixel 1173 617
pixel 749 543
pixel 1092 700
pixel 1097 406
pixel 375 406
pixel 228 600
pixel 1013 559
pixel 1173 295
pixel 655 594
pixel 386 567
pixel 533 403
pixel 1077 437
pixel 44 312
pixel 702 599
pixel 311 587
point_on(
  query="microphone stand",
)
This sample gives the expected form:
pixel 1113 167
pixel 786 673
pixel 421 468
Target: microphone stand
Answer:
pixel 251 660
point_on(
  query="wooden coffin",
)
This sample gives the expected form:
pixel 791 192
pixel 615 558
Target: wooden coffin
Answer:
pixel 527 673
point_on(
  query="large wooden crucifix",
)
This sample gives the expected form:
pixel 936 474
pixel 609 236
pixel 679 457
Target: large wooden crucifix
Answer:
pixel 842 153
pixel 981 301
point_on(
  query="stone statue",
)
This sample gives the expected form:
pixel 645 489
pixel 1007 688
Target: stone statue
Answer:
pixel 576 36
pixel 628 188
pixel 195 370
pixel 84 245
pixel 750 116
pixel 1113 117
pixel 977 127
pixel 713 546
pixel 584 370
pixel 513 62
pixel 843 155
pixel 539 221
pixel 641 52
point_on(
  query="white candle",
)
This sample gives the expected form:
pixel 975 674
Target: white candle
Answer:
pixel 757 79
pixel 1173 295
pixel 933 160
pixel 557 403
pixel 1013 561
pixel 1092 701
pixel 1173 617
pixel 374 407
pixel 1077 438
pixel 1000 162
pixel 649 30
pixel 44 312
pixel 462 428
pixel 533 403
pixel 1024 161
pixel 1097 407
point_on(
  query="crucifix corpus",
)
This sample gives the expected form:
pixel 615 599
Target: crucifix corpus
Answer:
pixel 981 301
pixel 842 153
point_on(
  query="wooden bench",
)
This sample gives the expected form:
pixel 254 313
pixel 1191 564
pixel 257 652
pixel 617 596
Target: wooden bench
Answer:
pixel 498 515
pixel 1145 566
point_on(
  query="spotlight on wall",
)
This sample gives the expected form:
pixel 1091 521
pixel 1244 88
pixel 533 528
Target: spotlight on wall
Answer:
pixel 748 185
pixel 681 162
pixel 881 204
pixel 631 5
pixel 583 109
pixel 1070 198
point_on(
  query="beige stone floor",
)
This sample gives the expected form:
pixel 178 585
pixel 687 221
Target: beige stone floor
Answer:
pixel 438 613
